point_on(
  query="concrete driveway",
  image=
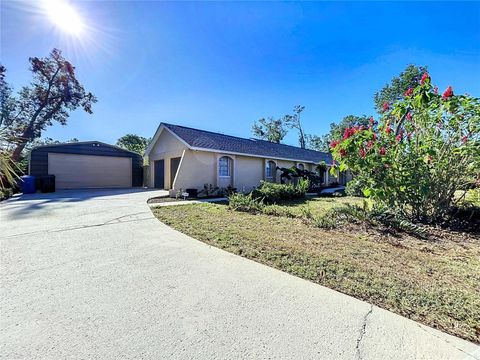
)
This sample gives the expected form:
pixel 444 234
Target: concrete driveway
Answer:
pixel 93 275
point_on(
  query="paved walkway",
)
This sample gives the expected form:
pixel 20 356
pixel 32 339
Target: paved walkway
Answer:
pixel 93 275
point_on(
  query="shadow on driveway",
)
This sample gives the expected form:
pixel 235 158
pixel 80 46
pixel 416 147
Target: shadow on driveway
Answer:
pixel 28 204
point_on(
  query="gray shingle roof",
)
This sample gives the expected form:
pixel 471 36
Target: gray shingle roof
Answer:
pixel 214 141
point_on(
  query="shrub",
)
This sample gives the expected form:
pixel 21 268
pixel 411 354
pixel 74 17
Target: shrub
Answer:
pixel 424 148
pixel 272 193
pixel 246 203
pixel 355 187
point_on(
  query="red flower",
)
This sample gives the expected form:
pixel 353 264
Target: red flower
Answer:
pixel 370 144
pixel 409 116
pixel 372 121
pixel 374 136
pixel 388 130
pixel 398 137
pixel 448 93
pixel 382 151
pixel 409 92
pixel 464 139
pixel 425 76
pixel 362 153
pixel 348 132
pixel 386 106
pixel 334 143
pixel 343 152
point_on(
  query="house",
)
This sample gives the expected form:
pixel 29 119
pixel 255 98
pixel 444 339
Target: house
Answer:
pixel 180 158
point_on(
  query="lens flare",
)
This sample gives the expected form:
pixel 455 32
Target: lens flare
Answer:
pixel 64 16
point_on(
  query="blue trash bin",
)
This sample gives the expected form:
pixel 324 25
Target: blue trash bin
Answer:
pixel 27 184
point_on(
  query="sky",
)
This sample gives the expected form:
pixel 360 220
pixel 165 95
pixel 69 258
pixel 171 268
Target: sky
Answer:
pixel 220 66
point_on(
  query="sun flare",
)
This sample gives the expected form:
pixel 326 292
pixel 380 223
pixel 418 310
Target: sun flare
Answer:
pixel 64 16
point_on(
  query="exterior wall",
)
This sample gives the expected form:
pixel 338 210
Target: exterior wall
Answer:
pixel 196 169
pixel 38 163
pixel 166 147
pixel 249 172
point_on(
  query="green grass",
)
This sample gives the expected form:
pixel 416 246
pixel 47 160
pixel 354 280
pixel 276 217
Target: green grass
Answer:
pixel 434 282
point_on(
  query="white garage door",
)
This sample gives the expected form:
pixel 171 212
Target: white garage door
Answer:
pixel 89 171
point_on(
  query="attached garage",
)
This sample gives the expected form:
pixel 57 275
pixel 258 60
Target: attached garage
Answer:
pixel 87 165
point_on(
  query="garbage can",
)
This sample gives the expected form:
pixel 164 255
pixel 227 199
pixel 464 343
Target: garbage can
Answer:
pixel 27 184
pixel 47 183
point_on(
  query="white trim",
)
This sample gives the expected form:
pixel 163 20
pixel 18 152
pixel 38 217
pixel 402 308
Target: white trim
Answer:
pixel 178 169
pixel 249 155
pixel 154 140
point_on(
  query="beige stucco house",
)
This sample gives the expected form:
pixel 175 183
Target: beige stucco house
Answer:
pixel 180 158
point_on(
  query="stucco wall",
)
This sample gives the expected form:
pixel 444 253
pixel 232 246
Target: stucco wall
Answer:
pixel 196 169
pixel 166 147
pixel 249 172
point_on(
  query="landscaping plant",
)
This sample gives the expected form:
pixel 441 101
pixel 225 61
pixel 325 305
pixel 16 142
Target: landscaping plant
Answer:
pixel 424 148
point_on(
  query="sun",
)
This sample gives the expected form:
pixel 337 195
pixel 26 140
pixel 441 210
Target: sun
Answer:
pixel 64 16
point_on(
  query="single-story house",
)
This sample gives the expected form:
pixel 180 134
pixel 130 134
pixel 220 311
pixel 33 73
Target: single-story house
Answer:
pixel 180 158
pixel 90 164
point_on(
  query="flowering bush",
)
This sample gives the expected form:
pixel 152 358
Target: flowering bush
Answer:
pixel 424 148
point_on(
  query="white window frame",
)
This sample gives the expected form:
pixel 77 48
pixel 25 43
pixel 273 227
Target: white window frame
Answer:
pixel 272 169
pixel 229 167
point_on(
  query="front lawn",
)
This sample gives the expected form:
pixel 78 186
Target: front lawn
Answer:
pixel 436 281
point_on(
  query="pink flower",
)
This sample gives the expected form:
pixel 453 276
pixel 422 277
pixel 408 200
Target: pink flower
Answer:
pixel 448 93
pixel 382 151
pixel 398 137
pixel 370 144
pixel 425 76
pixel 435 90
pixel 374 136
pixel 348 132
pixel 409 116
pixel 334 143
pixel 409 92
pixel 464 139
pixel 362 153
pixel 372 121
pixel 386 106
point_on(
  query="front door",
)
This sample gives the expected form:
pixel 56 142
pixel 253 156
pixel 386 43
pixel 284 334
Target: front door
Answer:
pixel 159 174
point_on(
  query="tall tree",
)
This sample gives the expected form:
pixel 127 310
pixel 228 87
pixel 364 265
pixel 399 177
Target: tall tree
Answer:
pixel 133 142
pixel 293 121
pixel 315 142
pixel 52 95
pixel 393 91
pixel 269 129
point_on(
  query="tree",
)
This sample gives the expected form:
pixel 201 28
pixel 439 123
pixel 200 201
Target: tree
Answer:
pixel 336 131
pixel 22 163
pixel 293 122
pixel 424 149
pixel 51 96
pixel 394 91
pixel 269 129
pixel 133 142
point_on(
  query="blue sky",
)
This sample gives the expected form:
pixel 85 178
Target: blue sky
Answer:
pixel 221 65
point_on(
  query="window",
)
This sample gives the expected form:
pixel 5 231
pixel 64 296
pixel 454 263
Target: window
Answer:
pixel 270 170
pixel 224 166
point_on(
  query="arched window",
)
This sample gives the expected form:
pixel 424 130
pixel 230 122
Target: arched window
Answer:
pixel 224 166
pixel 270 169
pixel 301 167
